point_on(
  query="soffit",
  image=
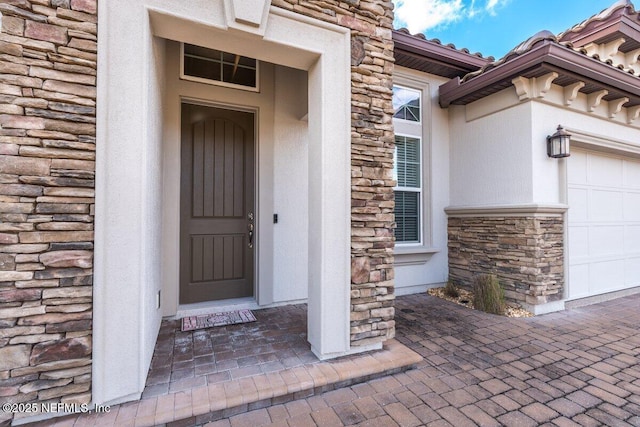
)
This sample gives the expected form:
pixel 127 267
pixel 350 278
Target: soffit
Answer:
pixel 431 56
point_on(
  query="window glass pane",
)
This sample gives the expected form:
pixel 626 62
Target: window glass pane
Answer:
pixel 196 67
pixel 229 58
pixel 239 75
pixel 219 66
pixel 247 62
pixel 407 211
pixel 406 104
pixel 407 164
pixel 192 50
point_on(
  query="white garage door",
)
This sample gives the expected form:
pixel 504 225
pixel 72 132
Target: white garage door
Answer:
pixel 604 223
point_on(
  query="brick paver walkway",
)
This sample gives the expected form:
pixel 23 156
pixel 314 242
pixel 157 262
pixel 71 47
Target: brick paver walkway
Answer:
pixel 185 360
pixel 578 367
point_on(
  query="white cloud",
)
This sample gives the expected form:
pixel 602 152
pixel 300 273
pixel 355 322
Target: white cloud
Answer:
pixel 492 5
pixel 421 15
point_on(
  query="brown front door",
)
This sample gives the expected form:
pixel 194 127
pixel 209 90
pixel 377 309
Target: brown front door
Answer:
pixel 216 204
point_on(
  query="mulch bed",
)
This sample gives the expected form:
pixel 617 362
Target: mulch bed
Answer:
pixel 466 299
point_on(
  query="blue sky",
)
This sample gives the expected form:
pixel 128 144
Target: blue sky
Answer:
pixel 492 27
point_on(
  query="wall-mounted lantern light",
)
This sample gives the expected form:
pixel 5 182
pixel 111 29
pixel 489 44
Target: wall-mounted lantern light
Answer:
pixel 558 144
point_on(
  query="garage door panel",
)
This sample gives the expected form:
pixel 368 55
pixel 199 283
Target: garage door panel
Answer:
pixel 606 205
pixel 579 276
pixel 632 174
pixel 577 173
pixel 632 207
pixel 632 240
pixel 604 223
pixel 579 206
pixel 579 242
pixel 606 276
pixel 632 272
pixel 604 171
pixel 606 240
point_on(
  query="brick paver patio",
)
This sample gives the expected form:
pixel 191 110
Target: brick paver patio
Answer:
pixel 579 367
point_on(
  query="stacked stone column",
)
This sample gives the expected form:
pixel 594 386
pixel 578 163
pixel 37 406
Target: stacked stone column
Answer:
pixel 372 145
pixel 47 162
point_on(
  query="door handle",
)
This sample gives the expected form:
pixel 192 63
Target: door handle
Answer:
pixel 250 227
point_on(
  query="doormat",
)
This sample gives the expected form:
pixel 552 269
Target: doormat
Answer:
pixel 192 323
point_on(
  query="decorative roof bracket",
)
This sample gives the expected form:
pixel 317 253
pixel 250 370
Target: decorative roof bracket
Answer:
pixel 523 88
pixel 594 99
pixel 633 113
pixel 609 50
pixel 571 92
pixel 631 58
pixel 615 106
pixel 542 84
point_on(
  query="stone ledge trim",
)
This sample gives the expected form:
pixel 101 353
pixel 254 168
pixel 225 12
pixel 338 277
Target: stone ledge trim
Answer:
pixel 506 210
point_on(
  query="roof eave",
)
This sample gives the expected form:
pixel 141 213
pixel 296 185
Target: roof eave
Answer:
pixel 547 53
pixel 456 89
pixel 625 25
pixel 438 53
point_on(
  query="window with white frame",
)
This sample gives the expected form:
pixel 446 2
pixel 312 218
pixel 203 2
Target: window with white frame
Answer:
pixel 408 165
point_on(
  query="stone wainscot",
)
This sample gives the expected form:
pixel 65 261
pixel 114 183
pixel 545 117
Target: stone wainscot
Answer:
pixel 525 252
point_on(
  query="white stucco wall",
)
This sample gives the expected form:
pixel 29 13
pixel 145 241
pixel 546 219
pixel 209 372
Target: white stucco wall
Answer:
pixel 417 268
pixel 491 156
pixel 132 217
pixel 290 186
pixel 511 136
pixel 125 312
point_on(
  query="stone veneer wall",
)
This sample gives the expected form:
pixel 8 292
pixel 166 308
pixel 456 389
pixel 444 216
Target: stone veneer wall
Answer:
pixel 47 152
pixel 526 253
pixel 372 146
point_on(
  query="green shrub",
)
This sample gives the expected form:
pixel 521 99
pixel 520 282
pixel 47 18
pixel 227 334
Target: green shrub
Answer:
pixel 488 295
pixel 450 289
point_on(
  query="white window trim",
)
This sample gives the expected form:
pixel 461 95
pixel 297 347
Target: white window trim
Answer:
pixel 184 76
pixel 420 130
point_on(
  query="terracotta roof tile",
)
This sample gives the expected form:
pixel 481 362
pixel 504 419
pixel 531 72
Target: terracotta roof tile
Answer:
pixel 521 49
pixel 621 7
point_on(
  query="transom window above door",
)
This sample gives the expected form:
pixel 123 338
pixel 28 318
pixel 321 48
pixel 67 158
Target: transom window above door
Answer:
pixel 217 67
